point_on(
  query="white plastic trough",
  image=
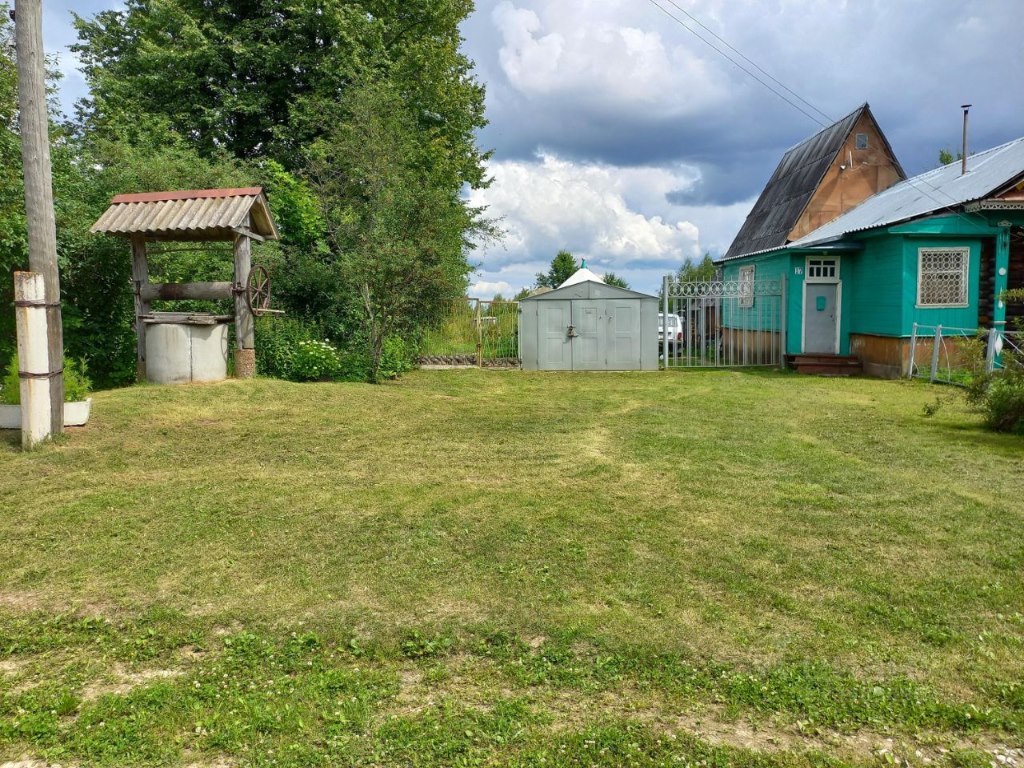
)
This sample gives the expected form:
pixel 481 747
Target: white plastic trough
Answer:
pixel 75 414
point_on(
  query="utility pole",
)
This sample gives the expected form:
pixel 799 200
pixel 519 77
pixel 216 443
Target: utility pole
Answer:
pixel 42 231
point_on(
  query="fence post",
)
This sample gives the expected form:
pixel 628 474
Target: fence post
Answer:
pixel 33 358
pixel 913 351
pixel 664 321
pixel 936 344
pixel 783 306
pixel 479 336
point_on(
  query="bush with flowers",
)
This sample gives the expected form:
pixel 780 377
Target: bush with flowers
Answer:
pixel 314 361
pixel 290 348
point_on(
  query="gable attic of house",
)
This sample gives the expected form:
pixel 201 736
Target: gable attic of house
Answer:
pixel 819 179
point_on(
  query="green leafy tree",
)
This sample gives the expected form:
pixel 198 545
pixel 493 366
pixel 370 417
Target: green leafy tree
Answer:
pixel 691 272
pixel 563 266
pixel 258 78
pixel 946 157
pixel 610 278
pixel 398 238
pixel 278 91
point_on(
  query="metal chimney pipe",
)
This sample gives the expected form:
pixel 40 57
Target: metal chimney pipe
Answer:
pixel 963 154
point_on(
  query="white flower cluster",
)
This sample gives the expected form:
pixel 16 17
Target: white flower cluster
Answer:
pixel 315 360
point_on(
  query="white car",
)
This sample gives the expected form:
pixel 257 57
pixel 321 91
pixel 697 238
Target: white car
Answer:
pixel 674 337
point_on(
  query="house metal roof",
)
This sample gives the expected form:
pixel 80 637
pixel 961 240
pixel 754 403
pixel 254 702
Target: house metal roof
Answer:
pixel 791 187
pixel 934 191
pixel 198 214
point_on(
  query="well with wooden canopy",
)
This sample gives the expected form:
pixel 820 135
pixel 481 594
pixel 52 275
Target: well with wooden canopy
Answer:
pixel 192 346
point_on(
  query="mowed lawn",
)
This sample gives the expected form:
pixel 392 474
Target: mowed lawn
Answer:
pixel 504 568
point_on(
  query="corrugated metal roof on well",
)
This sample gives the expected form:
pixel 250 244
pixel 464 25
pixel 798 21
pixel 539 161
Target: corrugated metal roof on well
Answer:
pixel 190 215
pixel 193 213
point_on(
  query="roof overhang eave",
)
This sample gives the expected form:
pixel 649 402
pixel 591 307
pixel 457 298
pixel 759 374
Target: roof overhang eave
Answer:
pixel 833 245
pixel 724 259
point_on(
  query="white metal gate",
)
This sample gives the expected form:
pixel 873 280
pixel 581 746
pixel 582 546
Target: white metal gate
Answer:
pixel 724 323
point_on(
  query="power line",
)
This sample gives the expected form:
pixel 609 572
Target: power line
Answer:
pixel 953 201
pixel 743 56
pixel 739 65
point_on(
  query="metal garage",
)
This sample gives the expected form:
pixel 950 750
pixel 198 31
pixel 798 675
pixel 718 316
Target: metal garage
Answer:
pixel 586 325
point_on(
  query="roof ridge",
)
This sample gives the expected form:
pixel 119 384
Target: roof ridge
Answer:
pixel 829 127
pixel 186 194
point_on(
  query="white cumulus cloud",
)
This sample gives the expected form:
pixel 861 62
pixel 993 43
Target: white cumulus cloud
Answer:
pixel 591 50
pixel 482 289
pixel 618 219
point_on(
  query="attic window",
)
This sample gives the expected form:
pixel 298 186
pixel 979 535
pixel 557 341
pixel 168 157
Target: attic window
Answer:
pixel 862 141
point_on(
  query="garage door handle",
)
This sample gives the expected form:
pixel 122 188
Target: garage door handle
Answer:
pixel 571 332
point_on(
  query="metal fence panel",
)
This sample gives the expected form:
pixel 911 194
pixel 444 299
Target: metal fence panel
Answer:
pixel 474 332
pixel 724 324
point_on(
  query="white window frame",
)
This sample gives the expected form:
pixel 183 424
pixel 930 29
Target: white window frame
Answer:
pixel 746 277
pixel 808 278
pixel 965 271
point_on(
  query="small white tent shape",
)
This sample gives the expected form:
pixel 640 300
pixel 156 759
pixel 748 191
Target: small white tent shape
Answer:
pixel 582 275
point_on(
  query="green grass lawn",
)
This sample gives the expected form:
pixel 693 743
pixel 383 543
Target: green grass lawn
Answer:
pixel 504 568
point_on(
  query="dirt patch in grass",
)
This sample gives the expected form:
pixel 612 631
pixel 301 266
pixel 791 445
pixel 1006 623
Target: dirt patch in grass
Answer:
pixel 476 684
pixel 21 602
pixel 11 666
pixel 121 682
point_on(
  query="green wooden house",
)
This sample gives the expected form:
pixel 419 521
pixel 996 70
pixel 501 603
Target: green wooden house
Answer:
pixel 936 249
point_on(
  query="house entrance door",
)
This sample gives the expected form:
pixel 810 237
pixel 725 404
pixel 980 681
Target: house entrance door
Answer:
pixel 821 318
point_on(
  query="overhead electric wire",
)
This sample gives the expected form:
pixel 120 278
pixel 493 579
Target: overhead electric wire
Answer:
pixel 953 202
pixel 740 66
pixel 752 63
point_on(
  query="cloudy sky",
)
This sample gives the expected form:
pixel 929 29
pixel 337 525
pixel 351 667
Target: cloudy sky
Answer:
pixel 622 137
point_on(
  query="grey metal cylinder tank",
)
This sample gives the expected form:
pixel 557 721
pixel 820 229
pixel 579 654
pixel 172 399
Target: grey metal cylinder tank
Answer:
pixel 181 353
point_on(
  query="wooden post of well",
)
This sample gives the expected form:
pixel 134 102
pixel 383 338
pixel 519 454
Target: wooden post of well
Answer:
pixel 140 279
pixel 245 326
pixel 33 358
pixel 34 121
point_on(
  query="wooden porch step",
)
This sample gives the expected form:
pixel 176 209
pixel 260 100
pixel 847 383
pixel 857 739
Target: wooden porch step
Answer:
pixel 825 365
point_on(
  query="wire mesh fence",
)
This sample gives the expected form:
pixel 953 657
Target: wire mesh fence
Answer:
pixel 949 355
pixel 474 332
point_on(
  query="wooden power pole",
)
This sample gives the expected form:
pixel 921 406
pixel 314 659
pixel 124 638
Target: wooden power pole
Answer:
pixel 42 230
